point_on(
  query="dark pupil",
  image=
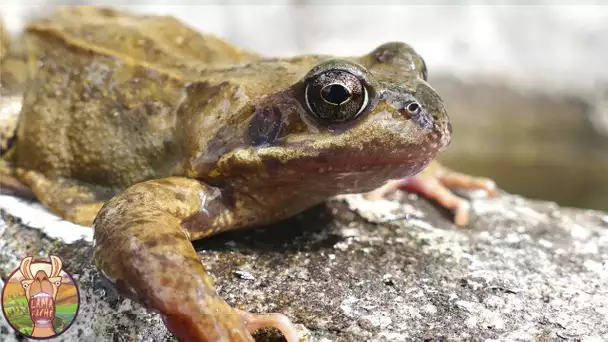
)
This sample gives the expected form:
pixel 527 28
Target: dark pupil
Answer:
pixel 335 94
pixel 413 107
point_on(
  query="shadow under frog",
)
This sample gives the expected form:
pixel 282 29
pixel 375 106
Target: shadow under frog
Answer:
pixel 287 236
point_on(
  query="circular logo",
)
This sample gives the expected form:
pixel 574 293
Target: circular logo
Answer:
pixel 39 299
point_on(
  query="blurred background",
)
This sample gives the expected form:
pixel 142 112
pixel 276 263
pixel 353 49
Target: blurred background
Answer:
pixel 525 82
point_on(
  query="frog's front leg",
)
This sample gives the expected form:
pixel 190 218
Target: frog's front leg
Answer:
pixel 142 245
pixel 434 183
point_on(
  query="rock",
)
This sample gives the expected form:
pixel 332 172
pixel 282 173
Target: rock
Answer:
pixel 522 270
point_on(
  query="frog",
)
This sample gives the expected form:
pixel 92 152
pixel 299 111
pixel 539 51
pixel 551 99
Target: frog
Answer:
pixel 155 135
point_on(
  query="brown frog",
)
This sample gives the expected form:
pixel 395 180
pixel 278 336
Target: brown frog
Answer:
pixel 157 135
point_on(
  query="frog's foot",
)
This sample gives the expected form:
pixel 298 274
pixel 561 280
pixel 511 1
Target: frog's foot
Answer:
pixel 203 319
pixel 434 183
pixel 277 321
pixel 72 200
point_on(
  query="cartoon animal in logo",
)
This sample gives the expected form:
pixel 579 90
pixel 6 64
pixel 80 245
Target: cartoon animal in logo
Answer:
pixel 41 293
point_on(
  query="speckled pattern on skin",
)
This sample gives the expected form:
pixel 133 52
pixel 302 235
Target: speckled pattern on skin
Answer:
pixel 157 135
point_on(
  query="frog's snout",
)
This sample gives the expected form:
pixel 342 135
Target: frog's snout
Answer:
pixel 413 106
pixel 443 128
pixel 428 126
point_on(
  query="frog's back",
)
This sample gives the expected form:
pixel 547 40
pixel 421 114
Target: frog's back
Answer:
pixel 161 41
pixel 103 86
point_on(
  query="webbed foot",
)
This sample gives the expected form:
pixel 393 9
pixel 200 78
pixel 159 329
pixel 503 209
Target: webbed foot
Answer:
pixel 434 183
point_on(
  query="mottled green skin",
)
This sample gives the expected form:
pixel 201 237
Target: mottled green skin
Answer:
pixel 194 136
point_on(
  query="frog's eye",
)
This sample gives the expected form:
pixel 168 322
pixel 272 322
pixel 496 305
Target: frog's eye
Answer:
pixel 336 96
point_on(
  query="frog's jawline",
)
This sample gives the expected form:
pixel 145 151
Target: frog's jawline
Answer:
pixel 399 167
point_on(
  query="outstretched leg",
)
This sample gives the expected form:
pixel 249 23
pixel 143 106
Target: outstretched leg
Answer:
pixel 434 183
pixel 74 201
pixel 10 185
pixel 142 244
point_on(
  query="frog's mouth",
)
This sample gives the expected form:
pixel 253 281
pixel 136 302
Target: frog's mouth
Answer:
pixel 301 157
pixel 311 161
pixel 347 165
pixel 343 174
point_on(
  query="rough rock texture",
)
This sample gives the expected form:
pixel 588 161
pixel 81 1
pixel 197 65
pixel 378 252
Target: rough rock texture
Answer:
pixel 353 270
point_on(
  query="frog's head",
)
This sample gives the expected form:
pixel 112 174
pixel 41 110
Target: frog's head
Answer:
pixel 347 125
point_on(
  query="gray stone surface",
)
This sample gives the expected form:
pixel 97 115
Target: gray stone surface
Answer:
pixel 394 270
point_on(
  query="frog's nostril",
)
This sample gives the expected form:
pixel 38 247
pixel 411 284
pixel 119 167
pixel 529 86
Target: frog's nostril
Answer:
pixel 413 108
pixel 409 109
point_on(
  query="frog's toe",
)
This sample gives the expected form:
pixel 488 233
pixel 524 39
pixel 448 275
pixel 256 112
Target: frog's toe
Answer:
pixel 455 179
pixel 223 325
pixel 277 321
pixel 433 188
